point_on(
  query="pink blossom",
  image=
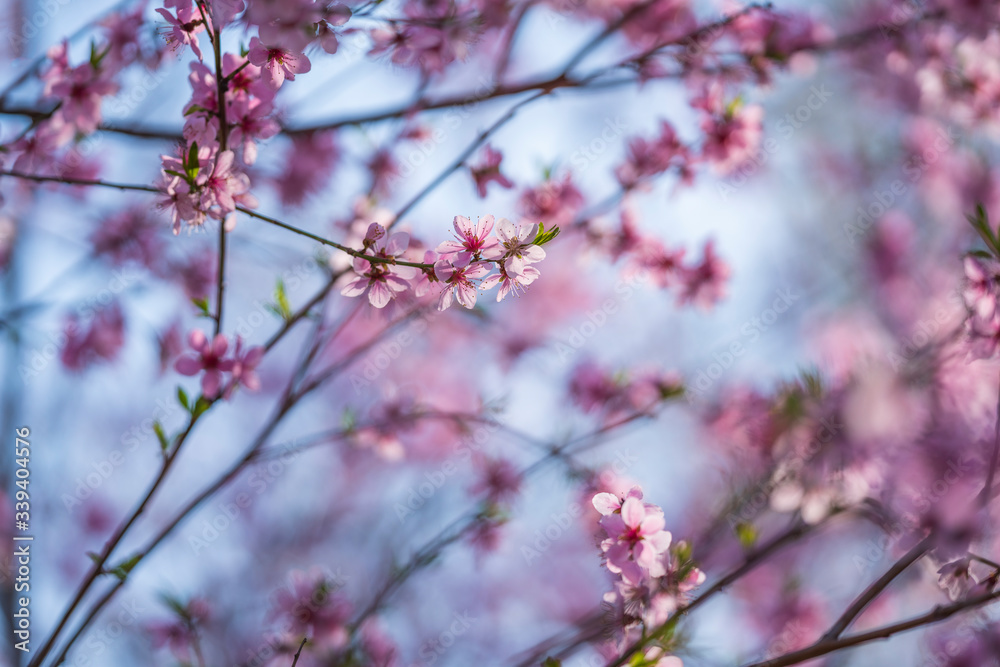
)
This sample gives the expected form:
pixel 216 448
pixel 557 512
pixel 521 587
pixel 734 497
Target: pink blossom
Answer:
pixel 278 62
pixel 382 280
pixel 102 341
pixel 79 91
pixel 510 283
pixel 129 236
pixel 183 29
pixel 221 186
pixel 518 246
pixel 244 367
pixel 648 158
pixel 209 359
pixel 252 122
pixel 333 16
pixel 636 541
pixel 732 131
pixel 554 202
pixel 489 171
pixel 499 481
pixel 307 166
pixel 457 274
pixel 314 608
pixel 705 283
pixel 608 503
pixel 474 241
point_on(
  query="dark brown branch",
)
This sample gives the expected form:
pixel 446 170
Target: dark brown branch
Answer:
pixel 823 647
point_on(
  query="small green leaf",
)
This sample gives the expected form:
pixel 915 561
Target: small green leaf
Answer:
pixel 94 557
pixel 544 236
pixel 348 420
pixel 182 397
pixel 122 569
pixel 747 534
pixel 734 106
pixel 981 223
pixel 281 300
pixel 200 406
pixel 176 605
pixel 192 164
pixel 195 108
pixel 552 662
pixel 161 436
pixel 96 56
pixel 202 306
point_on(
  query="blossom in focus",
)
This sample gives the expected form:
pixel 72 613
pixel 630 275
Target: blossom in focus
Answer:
pixel 382 280
pixel 277 62
pixel 636 540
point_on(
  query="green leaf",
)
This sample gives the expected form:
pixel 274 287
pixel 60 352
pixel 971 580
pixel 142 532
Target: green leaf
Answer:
pixel 183 398
pixel 552 662
pixel 734 106
pixel 96 56
pixel 195 108
pixel 348 420
pixel 122 569
pixel 191 164
pixel 200 406
pixel 281 301
pixel 176 605
pixel 161 436
pixel 202 306
pixel 543 236
pixel 981 223
pixel 94 556
pixel 747 534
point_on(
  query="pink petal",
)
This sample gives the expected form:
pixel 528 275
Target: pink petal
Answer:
pixel 485 226
pixel 397 244
pixel 606 503
pixel 197 340
pixel 356 287
pixel 633 512
pixel 395 283
pixel 379 295
pixel 188 366
pixel 210 383
pixel 652 524
pixel 444 301
pixel 220 345
pixel 463 226
pixel 467 294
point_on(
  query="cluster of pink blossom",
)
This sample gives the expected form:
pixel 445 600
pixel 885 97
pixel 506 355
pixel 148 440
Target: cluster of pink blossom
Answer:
pixel 210 361
pixel 203 181
pixel 702 283
pixel 655 580
pixel 101 341
pixel 431 36
pixel 732 129
pixel 647 158
pixel 457 270
pixel 76 93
